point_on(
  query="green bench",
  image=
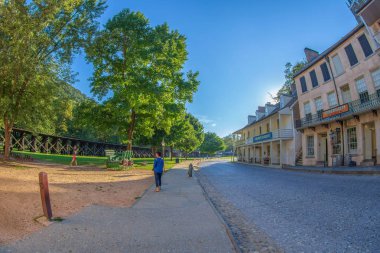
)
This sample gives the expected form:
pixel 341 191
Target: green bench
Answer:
pixel 121 158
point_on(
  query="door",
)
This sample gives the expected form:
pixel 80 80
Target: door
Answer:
pixel 323 148
pixel 369 141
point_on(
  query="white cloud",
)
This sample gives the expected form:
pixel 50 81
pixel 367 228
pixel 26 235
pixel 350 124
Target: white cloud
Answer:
pixel 213 124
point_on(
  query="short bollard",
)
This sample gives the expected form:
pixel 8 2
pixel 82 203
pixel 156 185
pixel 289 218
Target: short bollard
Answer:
pixel 190 171
pixel 45 197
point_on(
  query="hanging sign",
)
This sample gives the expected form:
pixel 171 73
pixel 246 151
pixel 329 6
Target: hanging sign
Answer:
pixel 335 111
pixel 263 137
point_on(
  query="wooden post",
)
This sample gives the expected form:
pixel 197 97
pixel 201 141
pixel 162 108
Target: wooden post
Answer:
pixel 45 197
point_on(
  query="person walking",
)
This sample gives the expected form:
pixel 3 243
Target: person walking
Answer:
pixel 158 168
pixel 74 160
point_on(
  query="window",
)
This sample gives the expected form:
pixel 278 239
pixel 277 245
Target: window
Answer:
pixel 307 108
pixel 362 90
pixel 346 94
pixel 260 130
pixel 367 50
pixel 278 123
pixel 351 55
pixel 319 106
pixel 337 142
pixel 331 98
pixel 303 84
pixel 352 140
pixel 268 128
pixel 376 80
pixel 337 65
pixel 313 77
pixel 310 145
pixel 325 72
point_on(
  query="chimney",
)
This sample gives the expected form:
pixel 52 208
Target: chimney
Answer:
pixel 260 112
pixel 310 54
pixel 251 119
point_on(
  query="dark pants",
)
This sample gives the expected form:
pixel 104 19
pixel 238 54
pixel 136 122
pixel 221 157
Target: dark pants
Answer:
pixel 157 177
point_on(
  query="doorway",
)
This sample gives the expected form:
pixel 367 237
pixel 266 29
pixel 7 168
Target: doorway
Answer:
pixel 322 148
pixel 369 141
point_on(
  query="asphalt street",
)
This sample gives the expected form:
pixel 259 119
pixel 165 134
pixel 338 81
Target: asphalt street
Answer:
pixel 302 212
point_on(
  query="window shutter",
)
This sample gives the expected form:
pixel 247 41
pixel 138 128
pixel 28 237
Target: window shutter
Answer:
pixel 325 72
pixel 303 84
pixel 351 55
pixel 313 77
pixel 367 50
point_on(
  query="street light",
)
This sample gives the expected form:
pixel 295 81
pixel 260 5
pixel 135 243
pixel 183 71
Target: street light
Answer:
pixel 163 147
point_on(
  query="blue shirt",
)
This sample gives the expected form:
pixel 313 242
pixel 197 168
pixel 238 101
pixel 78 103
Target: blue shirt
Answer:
pixel 158 165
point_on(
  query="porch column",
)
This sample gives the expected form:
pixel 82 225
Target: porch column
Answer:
pixel 262 153
pixel 377 138
pixel 280 152
pixel 271 153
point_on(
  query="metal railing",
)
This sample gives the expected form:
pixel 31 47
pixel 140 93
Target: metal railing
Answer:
pixel 282 133
pixel 356 5
pixel 358 106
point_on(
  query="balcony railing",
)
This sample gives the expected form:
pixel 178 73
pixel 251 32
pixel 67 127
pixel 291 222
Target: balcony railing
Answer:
pixel 357 5
pixel 270 136
pixel 365 104
pixel 283 134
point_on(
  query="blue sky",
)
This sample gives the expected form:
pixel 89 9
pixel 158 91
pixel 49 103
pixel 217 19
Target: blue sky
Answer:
pixel 239 47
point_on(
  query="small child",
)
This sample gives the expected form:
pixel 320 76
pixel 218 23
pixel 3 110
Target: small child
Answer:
pixel 158 168
pixel 74 160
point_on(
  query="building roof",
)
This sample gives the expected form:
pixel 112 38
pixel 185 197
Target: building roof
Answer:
pixel 330 49
pixel 277 109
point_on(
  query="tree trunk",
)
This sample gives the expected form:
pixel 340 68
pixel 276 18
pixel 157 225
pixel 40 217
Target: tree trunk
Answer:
pixel 131 130
pixel 8 126
pixel 171 153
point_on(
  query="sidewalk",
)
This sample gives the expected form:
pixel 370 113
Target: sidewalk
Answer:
pixel 177 219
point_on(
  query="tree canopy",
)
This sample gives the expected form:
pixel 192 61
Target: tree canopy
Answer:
pixel 138 71
pixel 289 73
pixel 37 41
pixel 212 143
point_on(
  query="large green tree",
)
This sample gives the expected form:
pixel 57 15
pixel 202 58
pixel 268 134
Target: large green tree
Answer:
pixel 289 72
pixel 212 143
pixel 37 41
pixel 138 74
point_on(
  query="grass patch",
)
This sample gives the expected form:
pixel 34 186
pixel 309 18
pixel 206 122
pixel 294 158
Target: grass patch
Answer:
pixel 57 219
pixel 99 161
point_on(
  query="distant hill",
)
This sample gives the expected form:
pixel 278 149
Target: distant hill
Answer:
pixel 67 91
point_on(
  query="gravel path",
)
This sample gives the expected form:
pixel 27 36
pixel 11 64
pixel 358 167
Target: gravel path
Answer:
pixel 298 212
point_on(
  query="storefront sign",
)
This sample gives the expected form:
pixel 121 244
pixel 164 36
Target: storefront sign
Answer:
pixel 263 137
pixel 335 111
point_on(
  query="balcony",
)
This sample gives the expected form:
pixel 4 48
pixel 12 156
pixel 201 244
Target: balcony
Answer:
pixel 271 136
pixel 366 104
pixel 240 142
pixel 367 9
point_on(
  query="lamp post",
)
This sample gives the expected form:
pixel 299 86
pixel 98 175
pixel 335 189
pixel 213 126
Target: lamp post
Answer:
pixel 163 147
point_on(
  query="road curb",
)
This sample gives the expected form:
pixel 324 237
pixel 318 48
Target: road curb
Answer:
pixel 226 227
pixel 318 171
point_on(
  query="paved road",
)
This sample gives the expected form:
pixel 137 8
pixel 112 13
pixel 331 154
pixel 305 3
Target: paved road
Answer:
pixel 302 212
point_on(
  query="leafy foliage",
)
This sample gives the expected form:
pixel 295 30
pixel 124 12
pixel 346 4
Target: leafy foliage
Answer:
pixel 37 40
pixel 138 70
pixel 212 143
pixel 289 73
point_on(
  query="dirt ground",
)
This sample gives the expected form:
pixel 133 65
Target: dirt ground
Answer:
pixel 71 189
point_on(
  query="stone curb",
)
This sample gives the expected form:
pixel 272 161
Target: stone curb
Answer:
pixel 320 171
